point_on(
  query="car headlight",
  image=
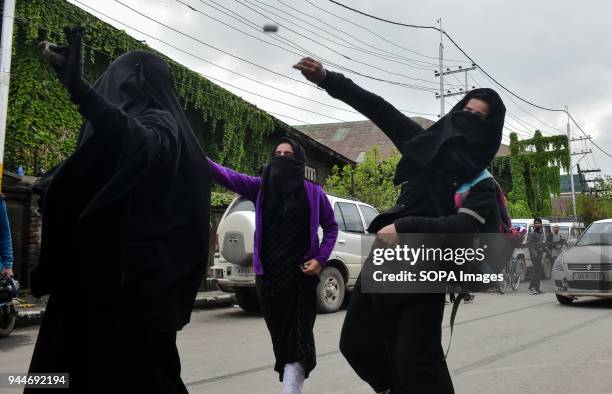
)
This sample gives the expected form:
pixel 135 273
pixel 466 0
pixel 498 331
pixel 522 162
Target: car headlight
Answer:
pixel 559 266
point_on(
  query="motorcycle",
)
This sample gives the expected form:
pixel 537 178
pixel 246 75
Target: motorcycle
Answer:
pixel 9 289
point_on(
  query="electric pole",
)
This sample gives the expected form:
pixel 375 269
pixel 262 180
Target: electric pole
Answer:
pixel 6 46
pixel 584 183
pixel 441 69
pixel 571 166
pixel 448 71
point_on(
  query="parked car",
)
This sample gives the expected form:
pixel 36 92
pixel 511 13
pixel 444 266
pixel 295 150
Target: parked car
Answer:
pixel 586 269
pixel 522 253
pixel 233 266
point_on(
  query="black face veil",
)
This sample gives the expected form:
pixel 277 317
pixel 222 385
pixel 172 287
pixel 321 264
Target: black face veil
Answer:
pixel 284 176
pixel 461 142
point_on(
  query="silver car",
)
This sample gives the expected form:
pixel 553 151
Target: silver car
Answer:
pixel 586 268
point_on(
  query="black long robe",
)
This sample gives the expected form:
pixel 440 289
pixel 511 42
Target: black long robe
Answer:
pixel 393 341
pixel 125 236
pixel 287 296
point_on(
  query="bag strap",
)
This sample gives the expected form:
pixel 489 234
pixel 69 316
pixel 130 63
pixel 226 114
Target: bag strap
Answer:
pixel 456 303
pixel 464 189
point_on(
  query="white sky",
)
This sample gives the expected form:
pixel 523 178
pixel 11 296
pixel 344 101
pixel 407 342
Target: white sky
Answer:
pixel 554 53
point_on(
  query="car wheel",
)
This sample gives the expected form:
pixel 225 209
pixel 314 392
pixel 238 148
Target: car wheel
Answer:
pixel 330 290
pixel 246 298
pixel 522 268
pixel 564 300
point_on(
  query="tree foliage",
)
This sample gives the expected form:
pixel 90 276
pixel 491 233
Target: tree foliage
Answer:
pixel 370 181
pixel 597 205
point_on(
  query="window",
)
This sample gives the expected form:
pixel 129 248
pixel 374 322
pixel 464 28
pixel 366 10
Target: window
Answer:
pixel 311 174
pixel 339 218
pixel 368 214
pixel 352 219
pixel 598 234
pixel 241 204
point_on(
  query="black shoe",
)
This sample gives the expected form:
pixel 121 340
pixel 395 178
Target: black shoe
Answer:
pixel 531 289
pixel 539 291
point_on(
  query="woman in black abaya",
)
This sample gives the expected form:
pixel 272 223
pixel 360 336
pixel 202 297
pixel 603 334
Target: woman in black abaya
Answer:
pixel 287 296
pixel 125 230
pixel 393 341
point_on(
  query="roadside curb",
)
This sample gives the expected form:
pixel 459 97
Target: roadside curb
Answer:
pixel 213 301
pixel 29 317
pixel 204 300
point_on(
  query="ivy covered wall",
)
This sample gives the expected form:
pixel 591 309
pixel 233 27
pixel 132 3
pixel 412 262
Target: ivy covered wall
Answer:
pixel 43 124
pixel 534 169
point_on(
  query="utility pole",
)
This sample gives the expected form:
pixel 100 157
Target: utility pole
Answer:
pixel 6 46
pixel 441 69
pixel 571 166
pixel 448 71
pixel 581 171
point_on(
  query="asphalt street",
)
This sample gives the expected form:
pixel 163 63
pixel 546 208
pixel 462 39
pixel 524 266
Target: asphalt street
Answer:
pixel 512 343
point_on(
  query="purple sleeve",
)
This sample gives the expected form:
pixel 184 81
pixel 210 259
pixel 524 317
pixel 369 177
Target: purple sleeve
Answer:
pixel 327 221
pixel 245 185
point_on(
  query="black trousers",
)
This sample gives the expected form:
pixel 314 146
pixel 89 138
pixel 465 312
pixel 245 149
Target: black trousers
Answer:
pixel 393 341
pixel 536 274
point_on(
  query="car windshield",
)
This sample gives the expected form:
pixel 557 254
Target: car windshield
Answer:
pixel 241 204
pixel 517 225
pixel 597 234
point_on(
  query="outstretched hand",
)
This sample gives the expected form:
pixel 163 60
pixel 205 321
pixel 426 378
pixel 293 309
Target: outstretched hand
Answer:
pixel 67 60
pixel 311 69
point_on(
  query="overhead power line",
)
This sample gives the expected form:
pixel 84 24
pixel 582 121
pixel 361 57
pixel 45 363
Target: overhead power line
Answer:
pixel 474 62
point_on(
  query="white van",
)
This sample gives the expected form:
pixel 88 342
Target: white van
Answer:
pixel 522 253
pixel 233 267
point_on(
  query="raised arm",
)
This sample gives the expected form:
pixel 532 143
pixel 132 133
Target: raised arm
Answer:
pixel 243 184
pixel 397 126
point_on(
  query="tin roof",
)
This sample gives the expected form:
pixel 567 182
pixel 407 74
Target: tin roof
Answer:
pixel 353 139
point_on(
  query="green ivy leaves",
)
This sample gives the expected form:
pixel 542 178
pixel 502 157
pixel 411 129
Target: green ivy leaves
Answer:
pixel 43 125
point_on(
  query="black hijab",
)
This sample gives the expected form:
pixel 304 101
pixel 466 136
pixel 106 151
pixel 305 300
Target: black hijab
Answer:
pixel 283 178
pixel 461 142
pixel 118 185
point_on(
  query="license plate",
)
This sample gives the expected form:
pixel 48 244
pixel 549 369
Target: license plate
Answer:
pixel 244 271
pixel 588 276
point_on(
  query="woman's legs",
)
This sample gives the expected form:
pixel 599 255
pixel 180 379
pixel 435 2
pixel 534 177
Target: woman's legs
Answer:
pixel 413 334
pixel 290 317
pixel 362 343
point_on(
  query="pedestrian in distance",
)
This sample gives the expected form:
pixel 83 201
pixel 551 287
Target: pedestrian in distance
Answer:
pixel 536 244
pixel 557 242
pixel 6 241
